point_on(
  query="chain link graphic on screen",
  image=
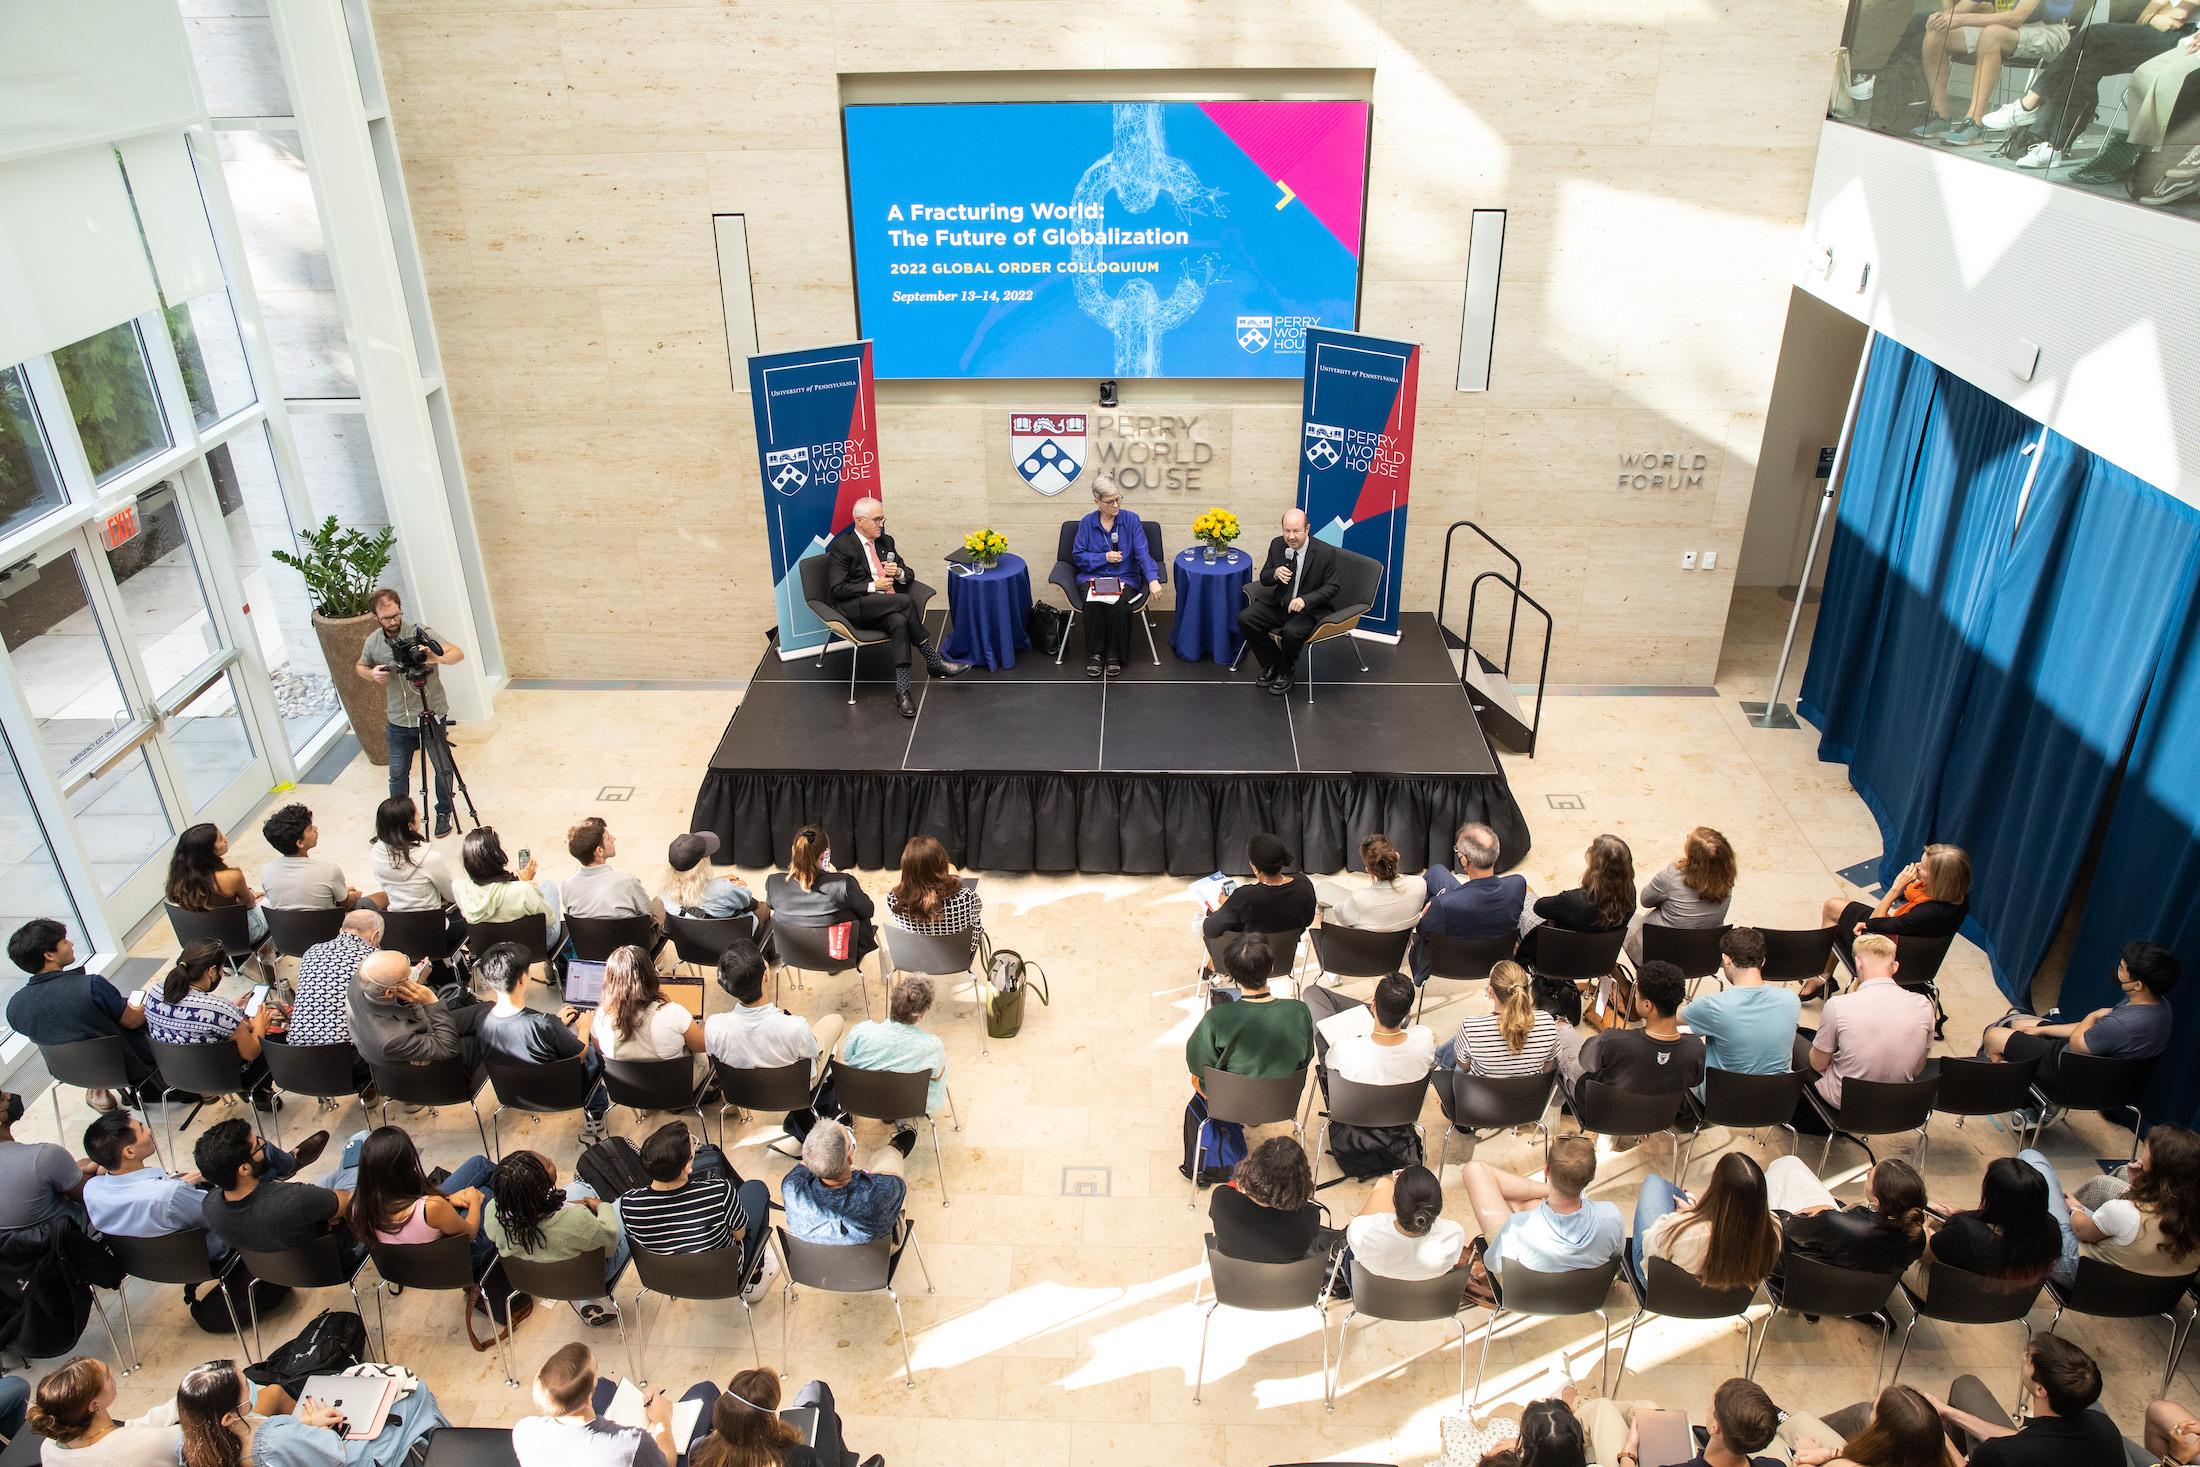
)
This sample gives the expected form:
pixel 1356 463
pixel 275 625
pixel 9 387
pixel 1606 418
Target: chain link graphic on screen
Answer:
pixel 1138 172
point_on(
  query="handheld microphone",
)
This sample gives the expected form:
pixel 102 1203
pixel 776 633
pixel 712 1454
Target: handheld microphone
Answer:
pixel 1115 539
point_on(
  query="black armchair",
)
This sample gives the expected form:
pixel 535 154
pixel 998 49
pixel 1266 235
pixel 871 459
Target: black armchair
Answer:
pixel 1064 576
pixel 814 590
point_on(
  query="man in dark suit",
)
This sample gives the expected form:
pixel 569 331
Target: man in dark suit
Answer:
pixel 1476 904
pixel 1298 583
pixel 868 584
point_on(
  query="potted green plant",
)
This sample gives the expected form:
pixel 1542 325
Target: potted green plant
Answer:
pixel 341 569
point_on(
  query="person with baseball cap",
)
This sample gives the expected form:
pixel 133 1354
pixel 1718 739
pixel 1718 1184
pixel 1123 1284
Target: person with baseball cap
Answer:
pixel 693 889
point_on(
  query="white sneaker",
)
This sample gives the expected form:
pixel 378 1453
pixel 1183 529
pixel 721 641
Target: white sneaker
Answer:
pixel 1861 88
pixel 2015 114
pixel 2042 155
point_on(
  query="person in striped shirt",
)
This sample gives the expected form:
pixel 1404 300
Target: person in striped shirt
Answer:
pixel 1516 1038
pixel 695 1200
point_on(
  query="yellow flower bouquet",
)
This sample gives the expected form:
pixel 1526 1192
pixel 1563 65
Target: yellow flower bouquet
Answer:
pixel 1217 528
pixel 988 545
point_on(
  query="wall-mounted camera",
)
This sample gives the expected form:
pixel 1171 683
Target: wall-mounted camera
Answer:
pixel 1107 394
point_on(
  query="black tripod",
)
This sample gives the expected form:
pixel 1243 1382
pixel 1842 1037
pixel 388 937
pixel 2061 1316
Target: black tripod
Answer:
pixel 436 756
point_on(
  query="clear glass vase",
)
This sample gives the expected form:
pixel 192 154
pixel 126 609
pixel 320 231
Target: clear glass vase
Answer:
pixel 1212 550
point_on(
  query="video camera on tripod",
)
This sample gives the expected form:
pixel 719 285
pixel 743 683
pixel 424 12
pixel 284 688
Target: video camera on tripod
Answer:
pixel 409 656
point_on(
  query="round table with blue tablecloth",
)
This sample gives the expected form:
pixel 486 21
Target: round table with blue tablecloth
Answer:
pixel 987 613
pixel 1209 596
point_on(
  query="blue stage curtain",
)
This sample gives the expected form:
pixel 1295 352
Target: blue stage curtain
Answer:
pixel 2068 651
pixel 2146 886
pixel 1927 506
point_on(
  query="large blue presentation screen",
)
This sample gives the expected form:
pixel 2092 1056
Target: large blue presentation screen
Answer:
pixel 1104 239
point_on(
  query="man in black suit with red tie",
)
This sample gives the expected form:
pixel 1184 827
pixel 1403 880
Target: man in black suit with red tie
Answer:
pixel 1298 584
pixel 865 579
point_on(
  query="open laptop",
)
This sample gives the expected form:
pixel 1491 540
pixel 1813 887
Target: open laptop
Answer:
pixel 583 984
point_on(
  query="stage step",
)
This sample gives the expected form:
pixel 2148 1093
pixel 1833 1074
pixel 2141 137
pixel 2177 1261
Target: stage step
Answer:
pixel 1495 706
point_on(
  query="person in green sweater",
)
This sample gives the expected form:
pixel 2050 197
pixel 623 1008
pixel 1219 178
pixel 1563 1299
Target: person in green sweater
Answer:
pixel 536 1220
pixel 1258 1035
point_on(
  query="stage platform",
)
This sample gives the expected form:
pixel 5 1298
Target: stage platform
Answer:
pixel 1168 768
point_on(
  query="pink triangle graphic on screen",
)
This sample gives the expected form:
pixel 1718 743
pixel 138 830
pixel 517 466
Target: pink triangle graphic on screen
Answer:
pixel 1318 149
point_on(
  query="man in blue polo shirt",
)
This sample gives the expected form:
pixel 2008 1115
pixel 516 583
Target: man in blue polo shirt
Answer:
pixel 63 1004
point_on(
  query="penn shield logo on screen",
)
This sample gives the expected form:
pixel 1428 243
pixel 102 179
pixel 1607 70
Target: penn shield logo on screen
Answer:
pixel 1048 449
pixel 1253 331
pixel 784 469
pixel 1323 444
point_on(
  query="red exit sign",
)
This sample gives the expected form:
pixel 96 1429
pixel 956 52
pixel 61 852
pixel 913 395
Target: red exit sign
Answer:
pixel 119 528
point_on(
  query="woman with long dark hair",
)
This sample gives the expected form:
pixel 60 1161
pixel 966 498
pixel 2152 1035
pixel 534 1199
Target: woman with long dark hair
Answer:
pixel 1904 1431
pixel 184 1009
pixel 532 1218
pixel 1551 1436
pixel 394 1204
pixel 488 890
pixel 1727 1238
pixel 2145 1219
pixel 222 1428
pixel 2011 1239
pixel 1602 903
pixel 634 1019
pixel 930 898
pixel 811 893
pixel 745 1428
pixel 413 874
pixel 201 880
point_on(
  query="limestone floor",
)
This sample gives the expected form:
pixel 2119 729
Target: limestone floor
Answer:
pixel 1060 1327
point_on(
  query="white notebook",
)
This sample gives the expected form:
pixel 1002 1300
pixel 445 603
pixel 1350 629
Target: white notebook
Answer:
pixel 628 1410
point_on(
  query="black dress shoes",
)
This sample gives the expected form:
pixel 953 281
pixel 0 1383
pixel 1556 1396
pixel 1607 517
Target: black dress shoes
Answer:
pixel 906 704
pixel 1280 684
pixel 952 669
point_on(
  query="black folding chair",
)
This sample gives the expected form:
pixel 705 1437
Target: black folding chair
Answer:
pixel 323 1072
pixel 575 1280
pixel 849 1268
pixel 444 1265
pixel 1498 1103
pixel 651 1085
pixel 178 1258
pixel 437 1083
pixel 2089 1082
pixel 699 942
pixel 229 926
pixel 1875 1108
pixel 531 932
pixel 782 1088
pixel 1266 1288
pixel 942 955
pixel 1821 1291
pixel 808 950
pixel 1283 956
pixel 291 930
pixel 1957 1296
pixel 2106 1291
pixel 1246 1101
pixel 1610 1111
pixel 318 1265
pixel 1404 1302
pixel 1693 950
pixel 1461 960
pixel 1347 952
pixel 1354 1104
pixel 472 1446
pixel 1665 1288
pixel 703 1277
pixel 1795 955
pixel 1524 1291
pixel 894 1095
pixel 1743 1103
pixel 1577 957
pixel 1972 1086
pixel 554 1089
pixel 595 939
pixel 93 1064
pixel 417 935
pixel 208 1070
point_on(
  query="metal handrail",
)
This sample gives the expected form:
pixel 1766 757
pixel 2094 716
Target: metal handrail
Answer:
pixel 1443 586
pixel 1543 674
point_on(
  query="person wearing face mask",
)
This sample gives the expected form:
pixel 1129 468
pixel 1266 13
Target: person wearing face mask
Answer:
pixel 1298 582
pixel 248 1208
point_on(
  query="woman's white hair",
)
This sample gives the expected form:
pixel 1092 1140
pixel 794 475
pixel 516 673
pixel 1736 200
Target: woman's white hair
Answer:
pixel 1101 489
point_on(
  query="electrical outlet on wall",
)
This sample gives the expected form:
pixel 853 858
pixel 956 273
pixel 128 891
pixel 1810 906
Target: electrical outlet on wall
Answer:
pixel 1710 559
pixel 1688 560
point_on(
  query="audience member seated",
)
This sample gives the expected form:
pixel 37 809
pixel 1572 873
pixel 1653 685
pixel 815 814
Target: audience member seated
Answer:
pixel 1273 901
pixel 899 1045
pixel 73 1410
pixel 695 1201
pixel 1515 1038
pixel 249 1206
pixel 393 1203
pixel 1257 1035
pixel 597 891
pixel 1371 1044
pixel 294 880
pixel 1651 1060
pixel 1695 891
pixel 2063 98
pixel 1743 1423
pixel 1476 904
pixel 1884 1234
pixel 572 1431
pixel 38 1180
pixel 812 894
pixel 930 898
pixel 2172 1434
pixel 1401 1232
pixel 320 1009
pixel 185 1009
pixel 200 880
pixel 534 1220
pixel 1604 902
pixel 1930 898
pixel 1389 903
pixel 60 1003
pixel 2011 1239
pixel 1990 32
pixel 757 1035
pixel 2150 103
pixel 131 1198
pixel 1727 1238
pixel 2137 1027
pixel 693 889
pixel 413 874
pixel 489 891
pixel 1747 1027
pixel 513 1034
pixel 1266 1212
pixel 2061 1387
pixel 829 1199
pixel 2146 1220
pixel 223 1427
pixel 1550 1226
pixel 398 1020
pixel 741 1426
pixel 1900 1429
pixel 634 1020
pixel 1878 1031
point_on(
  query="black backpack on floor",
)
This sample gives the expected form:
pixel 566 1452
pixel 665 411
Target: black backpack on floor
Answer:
pixel 333 1342
pixel 613 1166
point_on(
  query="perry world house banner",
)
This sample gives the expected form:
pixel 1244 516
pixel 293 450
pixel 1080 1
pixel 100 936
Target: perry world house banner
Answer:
pixel 1356 452
pixel 817 446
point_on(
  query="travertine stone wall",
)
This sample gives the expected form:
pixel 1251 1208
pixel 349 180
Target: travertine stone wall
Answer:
pixel 563 163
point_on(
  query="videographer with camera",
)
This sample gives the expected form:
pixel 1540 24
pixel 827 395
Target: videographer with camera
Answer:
pixel 404 663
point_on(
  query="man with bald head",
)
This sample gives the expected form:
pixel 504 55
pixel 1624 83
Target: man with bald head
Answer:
pixel 398 1020
pixel 870 586
pixel 1297 584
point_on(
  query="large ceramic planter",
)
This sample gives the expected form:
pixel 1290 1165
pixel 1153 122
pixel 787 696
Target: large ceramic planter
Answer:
pixel 364 702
